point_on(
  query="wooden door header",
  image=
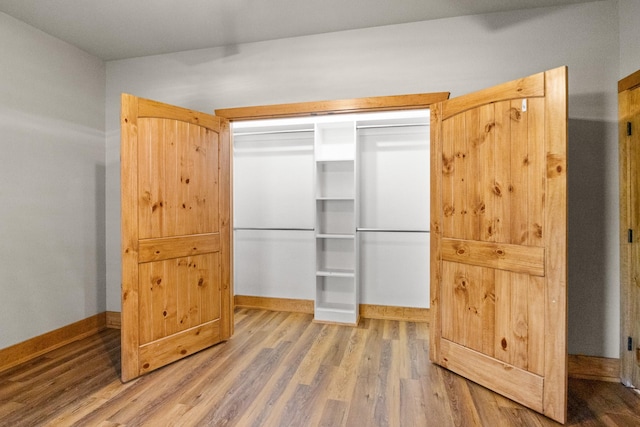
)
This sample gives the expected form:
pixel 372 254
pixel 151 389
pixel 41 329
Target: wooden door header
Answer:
pixel 301 109
pixel 629 82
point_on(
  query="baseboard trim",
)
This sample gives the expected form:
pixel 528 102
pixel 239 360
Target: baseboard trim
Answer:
pixel 594 368
pixel 37 346
pixel 113 320
pixel 274 304
pixel 388 312
pixel 368 311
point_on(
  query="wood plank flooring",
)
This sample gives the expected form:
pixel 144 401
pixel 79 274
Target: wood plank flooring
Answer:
pixel 281 369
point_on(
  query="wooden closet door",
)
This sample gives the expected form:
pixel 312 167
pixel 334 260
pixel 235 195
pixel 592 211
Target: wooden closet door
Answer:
pixel 499 239
pixel 176 235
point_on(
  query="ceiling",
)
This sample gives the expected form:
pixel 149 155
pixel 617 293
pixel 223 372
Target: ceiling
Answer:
pixel 117 29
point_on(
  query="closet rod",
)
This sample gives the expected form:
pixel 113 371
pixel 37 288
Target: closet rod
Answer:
pixel 398 125
pixel 388 230
pixel 272 132
pixel 271 229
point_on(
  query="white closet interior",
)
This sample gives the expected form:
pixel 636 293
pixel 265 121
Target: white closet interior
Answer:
pixel 334 209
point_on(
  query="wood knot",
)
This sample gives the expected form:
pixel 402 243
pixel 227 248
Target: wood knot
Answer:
pixel 555 165
pixel 503 343
pixel 462 284
pixel 447 165
pixel 489 127
pixel 183 351
pixel 537 230
pixel 449 210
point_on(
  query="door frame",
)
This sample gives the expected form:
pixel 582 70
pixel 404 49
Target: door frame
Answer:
pixel 628 314
pixel 313 108
pixel 342 106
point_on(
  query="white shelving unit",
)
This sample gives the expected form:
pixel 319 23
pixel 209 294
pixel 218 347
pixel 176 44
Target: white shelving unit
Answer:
pixel 333 208
pixel 336 290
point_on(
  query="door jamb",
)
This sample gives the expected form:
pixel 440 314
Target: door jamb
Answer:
pixel 357 105
pixel 626 265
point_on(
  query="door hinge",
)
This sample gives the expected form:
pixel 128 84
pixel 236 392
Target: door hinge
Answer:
pixel 630 236
pixel 629 344
pixel 628 128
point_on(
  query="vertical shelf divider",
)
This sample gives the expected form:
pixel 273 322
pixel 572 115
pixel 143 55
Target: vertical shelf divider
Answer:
pixel 336 298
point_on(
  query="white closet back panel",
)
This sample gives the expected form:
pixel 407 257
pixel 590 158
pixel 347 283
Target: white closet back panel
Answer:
pixel 274 263
pixel 394 177
pixel 273 180
pixel 394 269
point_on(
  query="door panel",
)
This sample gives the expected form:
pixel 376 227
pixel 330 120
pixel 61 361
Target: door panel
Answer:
pixel 176 290
pixel 499 272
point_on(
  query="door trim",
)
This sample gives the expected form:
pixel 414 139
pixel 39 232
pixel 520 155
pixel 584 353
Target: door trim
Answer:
pixel 342 106
pixel 627 358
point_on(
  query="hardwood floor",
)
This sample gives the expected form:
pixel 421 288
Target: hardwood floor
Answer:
pixel 281 369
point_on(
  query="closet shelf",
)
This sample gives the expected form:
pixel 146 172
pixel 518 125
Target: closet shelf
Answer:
pixel 336 160
pixel 335 307
pixel 335 236
pixel 335 273
pixel 338 198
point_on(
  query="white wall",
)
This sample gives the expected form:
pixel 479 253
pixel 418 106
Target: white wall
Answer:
pixel 459 55
pixel 629 11
pixel 52 176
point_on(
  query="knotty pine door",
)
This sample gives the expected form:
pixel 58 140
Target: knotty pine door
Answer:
pixel 176 234
pixel 499 239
